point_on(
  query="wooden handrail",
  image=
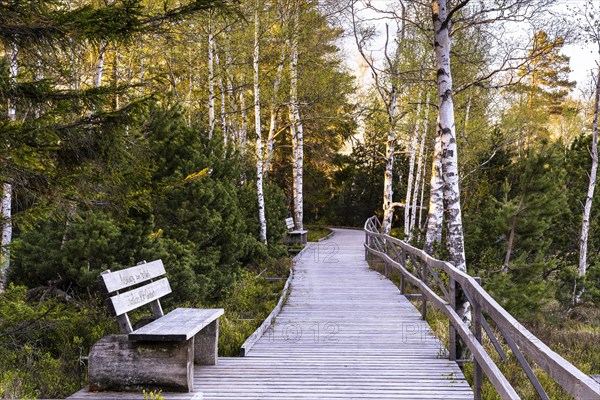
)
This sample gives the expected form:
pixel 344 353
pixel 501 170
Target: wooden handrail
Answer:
pixel 578 384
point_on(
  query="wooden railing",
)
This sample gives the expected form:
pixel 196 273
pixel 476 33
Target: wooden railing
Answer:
pixel 423 271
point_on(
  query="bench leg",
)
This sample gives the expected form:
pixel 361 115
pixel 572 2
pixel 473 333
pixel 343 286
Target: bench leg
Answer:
pixel 206 347
pixel 116 363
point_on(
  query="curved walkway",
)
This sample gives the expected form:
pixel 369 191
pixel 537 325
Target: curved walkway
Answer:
pixel 345 332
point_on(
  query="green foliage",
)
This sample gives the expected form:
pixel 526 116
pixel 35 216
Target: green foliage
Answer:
pixel 520 216
pixel 248 303
pixel 316 232
pixel 44 332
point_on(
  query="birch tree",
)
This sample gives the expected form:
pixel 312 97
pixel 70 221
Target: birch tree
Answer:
pixel 223 108
pixel 447 132
pixel 385 83
pixel 101 56
pixel 592 29
pixel 420 166
pixel 296 128
pixel 6 204
pixel 435 215
pixel 411 168
pixel 211 76
pixel 259 148
pixel 273 109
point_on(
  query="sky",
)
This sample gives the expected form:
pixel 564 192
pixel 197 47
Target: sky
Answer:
pixel 583 58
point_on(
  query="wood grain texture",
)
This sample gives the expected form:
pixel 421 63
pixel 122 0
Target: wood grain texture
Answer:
pixel 135 298
pixel 117 363
pixel 345 332
pixel 124 278
pixel 178 325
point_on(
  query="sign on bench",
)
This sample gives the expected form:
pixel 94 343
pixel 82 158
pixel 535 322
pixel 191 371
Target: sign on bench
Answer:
pixel 295 236
pixel 160 354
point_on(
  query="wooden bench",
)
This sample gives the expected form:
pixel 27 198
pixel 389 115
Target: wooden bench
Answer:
pixel 160 354
pixel 295 236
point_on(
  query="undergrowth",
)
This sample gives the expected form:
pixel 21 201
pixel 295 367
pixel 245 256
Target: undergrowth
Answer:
pixel 316 232
pixel 46 334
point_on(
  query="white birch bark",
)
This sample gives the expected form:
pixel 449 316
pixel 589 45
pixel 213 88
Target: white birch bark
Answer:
pixel 296 122
pixel 422 198
pixel 388 175
pixel 100 65
pixel 6 203
pixel 211 78
pixel 587 209
pixel 259 151
pixel 294 141
pixel 273 112
pixel 447 133
pixel 244 125
pixel 435 216
pixel 411 169
pixel 413 216
pixel 223 113
pixel 230 91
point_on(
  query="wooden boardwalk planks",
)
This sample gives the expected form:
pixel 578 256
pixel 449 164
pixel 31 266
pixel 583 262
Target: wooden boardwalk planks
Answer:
pixel 344 333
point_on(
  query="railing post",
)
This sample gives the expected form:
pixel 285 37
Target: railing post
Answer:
pixel 367 245
pixel 403 263
pixel 387 253
pixel 477 372
pixel 451 330
pixel 425 277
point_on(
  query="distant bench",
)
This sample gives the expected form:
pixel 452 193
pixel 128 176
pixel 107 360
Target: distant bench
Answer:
pixel 160 354
pixel 295 236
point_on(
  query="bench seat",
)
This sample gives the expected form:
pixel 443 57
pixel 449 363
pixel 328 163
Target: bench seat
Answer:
pixel 178 325
pixel 297 237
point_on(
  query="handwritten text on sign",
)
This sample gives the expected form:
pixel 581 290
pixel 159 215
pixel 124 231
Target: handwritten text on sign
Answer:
pixel 139 275
pixel 125 302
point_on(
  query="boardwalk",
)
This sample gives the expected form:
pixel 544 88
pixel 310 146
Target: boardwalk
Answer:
pixel 344 333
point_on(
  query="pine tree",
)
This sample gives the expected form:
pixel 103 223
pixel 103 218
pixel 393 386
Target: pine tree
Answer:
pixel 531 203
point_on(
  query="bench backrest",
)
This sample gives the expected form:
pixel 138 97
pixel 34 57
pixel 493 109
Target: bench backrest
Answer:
pixel 289 222
pixel 124 301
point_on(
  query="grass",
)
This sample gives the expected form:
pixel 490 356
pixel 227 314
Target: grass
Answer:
pixel 249 303
pixel 316 232
pixel 574 335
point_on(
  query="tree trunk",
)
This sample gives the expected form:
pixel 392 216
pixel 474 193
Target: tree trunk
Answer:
pixel 100 65
pixel 422 200
pixel 296 122
pixel 511 237
pixel 230 91
pixel 211 78
pixel 419 169
pixel 6 203
pixel 587 209
pixel 223 103
pixel 388 175
pixel 273 112
pixel 411 170
pixel 244 125
pixel 446 131
pixel 435 216
pixel 259 151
